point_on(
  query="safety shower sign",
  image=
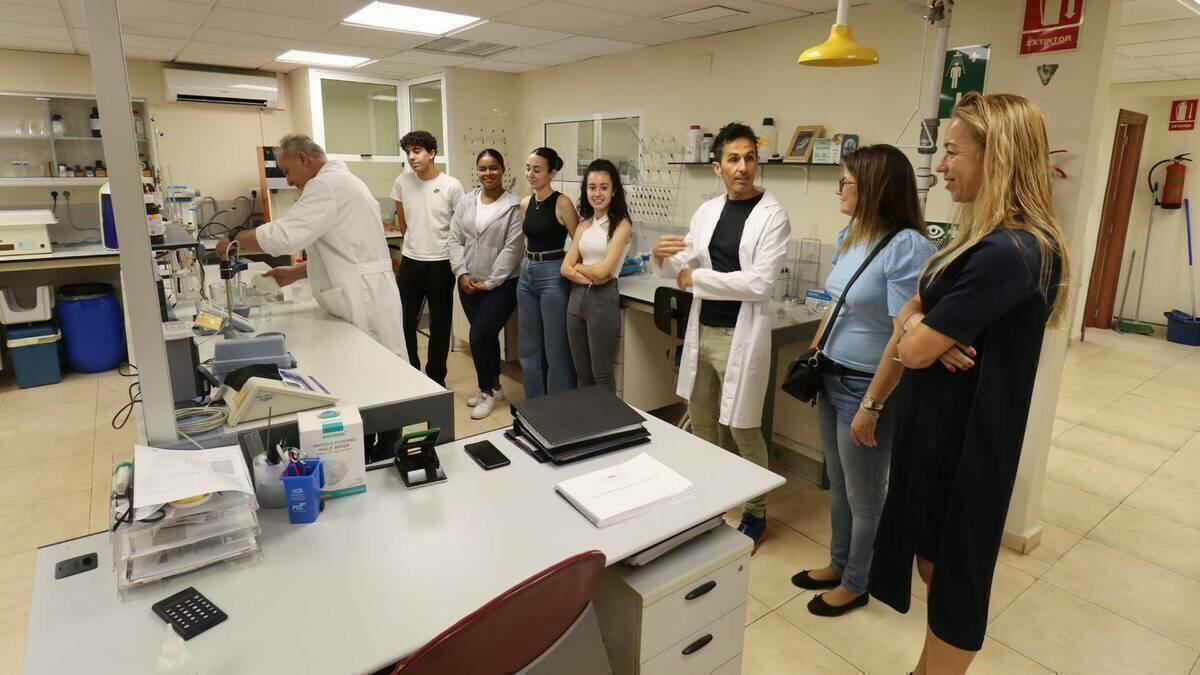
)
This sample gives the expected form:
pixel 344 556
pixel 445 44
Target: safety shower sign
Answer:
pixel 1051 26
pixel 965 71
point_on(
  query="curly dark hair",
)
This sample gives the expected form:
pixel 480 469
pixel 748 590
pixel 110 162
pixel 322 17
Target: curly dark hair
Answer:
pixel 618 210
pixel 419 139
pixel 732 132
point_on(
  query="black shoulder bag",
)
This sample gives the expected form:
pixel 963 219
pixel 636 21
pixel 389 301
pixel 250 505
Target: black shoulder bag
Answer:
pixel 803 378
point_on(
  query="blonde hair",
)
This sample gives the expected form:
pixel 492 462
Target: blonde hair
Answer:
pixel 1015 193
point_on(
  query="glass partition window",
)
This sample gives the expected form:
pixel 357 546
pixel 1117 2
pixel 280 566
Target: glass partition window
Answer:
pixel 615 137
pixel 361 118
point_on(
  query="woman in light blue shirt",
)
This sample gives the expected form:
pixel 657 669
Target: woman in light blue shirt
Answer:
pixel 878 190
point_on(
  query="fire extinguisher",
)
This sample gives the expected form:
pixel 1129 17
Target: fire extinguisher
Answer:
pixel 1172 193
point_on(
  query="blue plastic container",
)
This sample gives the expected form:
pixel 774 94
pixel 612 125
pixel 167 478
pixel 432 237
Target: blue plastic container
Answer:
pixel 108 221
pixel 1182 328
pixel 303 492
pixel 34 352
pixel 92 326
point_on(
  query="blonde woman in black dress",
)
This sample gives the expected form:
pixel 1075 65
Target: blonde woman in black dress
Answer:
pixel 970 342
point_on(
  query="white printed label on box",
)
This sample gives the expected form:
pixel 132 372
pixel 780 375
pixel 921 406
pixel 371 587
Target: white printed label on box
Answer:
pixel 335 436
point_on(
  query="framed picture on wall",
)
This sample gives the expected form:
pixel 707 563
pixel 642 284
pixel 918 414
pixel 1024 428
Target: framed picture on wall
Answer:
pixel 801 146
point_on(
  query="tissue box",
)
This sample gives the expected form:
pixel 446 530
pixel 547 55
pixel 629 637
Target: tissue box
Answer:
pixel 335 436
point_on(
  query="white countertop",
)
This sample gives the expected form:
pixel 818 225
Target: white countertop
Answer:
pixel 378 574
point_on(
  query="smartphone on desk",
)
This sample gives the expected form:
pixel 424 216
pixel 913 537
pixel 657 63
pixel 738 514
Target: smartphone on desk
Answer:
pixel 486 455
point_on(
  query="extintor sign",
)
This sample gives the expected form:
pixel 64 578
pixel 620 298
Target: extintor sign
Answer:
pixel 1051 26
pixel 1183 115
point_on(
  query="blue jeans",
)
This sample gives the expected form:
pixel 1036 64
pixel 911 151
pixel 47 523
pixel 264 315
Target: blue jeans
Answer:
pixel 858 478
pixel 542 294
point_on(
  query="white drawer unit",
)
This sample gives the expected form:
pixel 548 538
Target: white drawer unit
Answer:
pixel 703 651
pixel 732 667
pixel 687 593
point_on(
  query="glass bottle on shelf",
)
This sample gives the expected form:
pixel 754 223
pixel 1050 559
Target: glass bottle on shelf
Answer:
pixel 56 126
pixel 79 171
pixel 139 127
pixel 101 170
pixel 89 172
pixel 94 121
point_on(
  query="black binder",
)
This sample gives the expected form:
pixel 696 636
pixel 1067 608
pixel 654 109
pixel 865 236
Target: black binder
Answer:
pixel 575 417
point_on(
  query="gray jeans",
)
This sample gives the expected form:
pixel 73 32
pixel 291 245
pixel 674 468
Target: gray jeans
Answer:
pixel 593 329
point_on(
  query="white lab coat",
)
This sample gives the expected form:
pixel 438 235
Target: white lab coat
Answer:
pixel 762 250
pixel 337 221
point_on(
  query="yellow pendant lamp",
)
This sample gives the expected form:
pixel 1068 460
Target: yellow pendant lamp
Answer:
pixel 840 49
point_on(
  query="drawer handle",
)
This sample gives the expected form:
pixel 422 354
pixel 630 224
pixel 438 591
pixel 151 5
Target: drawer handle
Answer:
pixel 697 645
pixel 700 590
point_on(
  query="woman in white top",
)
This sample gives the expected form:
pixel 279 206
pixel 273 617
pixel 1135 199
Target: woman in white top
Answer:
pixel 592 265
pixel 486 245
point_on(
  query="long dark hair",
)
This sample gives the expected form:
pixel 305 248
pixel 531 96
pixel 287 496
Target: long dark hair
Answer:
pixel 618 210
pixel 553 161
pixel 887 194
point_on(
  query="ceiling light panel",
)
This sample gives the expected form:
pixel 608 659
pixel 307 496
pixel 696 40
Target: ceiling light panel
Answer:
pixel 321 59
pixel 387 16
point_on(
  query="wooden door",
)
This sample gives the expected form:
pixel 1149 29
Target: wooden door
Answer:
pixel 1114 220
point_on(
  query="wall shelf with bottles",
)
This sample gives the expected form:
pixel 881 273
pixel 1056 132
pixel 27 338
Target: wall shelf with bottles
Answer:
pixel 49 140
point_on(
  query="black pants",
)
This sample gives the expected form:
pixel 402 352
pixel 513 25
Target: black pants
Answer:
pixel 431 281
pixel 488 312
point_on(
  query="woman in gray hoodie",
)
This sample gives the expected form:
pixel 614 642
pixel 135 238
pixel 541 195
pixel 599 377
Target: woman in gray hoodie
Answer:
pixel 486 247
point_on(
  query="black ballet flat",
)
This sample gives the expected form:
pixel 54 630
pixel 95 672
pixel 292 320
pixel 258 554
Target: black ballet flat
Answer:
pixel 802 580
pixel 819 607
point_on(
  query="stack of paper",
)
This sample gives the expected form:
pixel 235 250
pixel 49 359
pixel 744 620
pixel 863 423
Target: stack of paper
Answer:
pixel 191 508
pixel 624 491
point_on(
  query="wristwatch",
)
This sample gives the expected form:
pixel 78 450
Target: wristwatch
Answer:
pixel 869 403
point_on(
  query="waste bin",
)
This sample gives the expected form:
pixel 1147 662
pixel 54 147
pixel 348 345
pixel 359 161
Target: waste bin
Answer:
pixel 92 327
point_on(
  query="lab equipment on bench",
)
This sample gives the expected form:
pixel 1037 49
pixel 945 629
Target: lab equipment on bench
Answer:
pixel 417 460
pixel 230 355
pixel 183 363
pixel 25 232
pixel 260 397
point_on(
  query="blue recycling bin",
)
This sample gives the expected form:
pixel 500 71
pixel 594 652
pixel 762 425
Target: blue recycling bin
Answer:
pixel 93 327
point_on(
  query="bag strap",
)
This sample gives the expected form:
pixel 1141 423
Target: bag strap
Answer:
pixel 846 291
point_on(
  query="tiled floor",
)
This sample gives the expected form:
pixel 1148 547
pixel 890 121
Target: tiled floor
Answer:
pixel 1113 588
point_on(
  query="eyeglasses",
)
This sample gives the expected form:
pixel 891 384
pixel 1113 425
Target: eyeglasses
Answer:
pixel 842 183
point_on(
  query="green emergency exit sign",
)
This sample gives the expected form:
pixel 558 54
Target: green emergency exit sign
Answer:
pixel 965 71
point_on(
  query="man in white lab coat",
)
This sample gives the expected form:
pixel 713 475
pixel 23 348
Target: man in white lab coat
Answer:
pixel 337 221
pixel 728 260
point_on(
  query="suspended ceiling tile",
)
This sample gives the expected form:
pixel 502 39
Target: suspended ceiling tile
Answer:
pixel 537 57
pixel 34 3
pixel 266 24
pixel 164 10
pixel 644 8
pixel 34 31
pixel 431 58
pixel 36 44
pixel 583 45
pixel 1184 71
pixel 1147 11
pixel 394 69
pixel 559 16
pixel 167 29
pixel 753 14
pixel 1145 75
pixel 509 34
pixel 150 54
pixel 651 32
pixel 1159 30
pixel 48 16
pixel 484 9
pixel 131 41
pixel 370 37
pixel 233 37
pixel 245 51
pixel 280 67
pixel 503 66
pixel 319 10
pixel 1172 60
pixel 1162 47
pixel 348 50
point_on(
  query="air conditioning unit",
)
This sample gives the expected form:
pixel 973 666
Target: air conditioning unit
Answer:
pixel 205 86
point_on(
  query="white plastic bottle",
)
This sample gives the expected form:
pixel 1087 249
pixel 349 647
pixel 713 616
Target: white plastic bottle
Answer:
pixel 174 657
pixel 706 148
pixel 691 150
pixel 770 139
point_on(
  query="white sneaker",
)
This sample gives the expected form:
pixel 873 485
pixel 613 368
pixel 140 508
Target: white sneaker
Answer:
pixel 487 403
pixel 498 394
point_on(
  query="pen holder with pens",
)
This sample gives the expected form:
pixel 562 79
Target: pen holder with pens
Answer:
pixel 303 492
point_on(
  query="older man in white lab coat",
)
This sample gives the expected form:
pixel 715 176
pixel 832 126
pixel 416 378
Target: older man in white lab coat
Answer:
pixel 728 260
pixel 337 221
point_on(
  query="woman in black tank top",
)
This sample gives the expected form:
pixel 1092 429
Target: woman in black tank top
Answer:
pixel 542 292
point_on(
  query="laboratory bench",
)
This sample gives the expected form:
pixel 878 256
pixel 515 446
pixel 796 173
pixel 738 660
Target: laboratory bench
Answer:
pixel 381 573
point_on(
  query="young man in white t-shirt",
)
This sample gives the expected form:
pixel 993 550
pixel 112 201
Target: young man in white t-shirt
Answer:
pixel 425 201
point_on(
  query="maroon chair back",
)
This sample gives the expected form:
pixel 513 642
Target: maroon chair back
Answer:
pixel 511 631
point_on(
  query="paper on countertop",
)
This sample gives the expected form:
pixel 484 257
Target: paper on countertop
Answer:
pixel 162 476
pixel 625 490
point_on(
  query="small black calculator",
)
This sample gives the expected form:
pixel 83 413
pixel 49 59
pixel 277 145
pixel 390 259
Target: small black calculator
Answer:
pixel 189 612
